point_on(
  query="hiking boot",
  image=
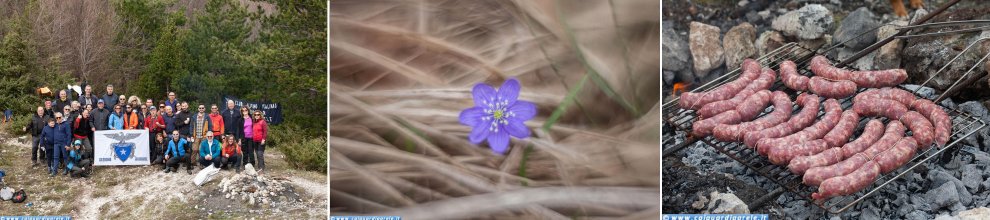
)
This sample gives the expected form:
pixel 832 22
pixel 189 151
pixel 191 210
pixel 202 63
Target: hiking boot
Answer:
pixel 34 163
pixel 168 170
pixel 189 171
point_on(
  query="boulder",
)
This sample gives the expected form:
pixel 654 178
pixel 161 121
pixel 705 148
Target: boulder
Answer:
pixel 972 176
pixel 706 49
pixel 855 24
pixel 726 203
pixel 888 56
pixel 768 41
pixel 943 196
pixel 676 56
pixel 738 44
pixel 808 22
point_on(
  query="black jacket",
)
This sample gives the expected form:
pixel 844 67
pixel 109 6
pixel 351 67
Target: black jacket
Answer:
pixel 232 122
pixel 37 124
pixel 110 100
pixel 182 125
pixel 101 117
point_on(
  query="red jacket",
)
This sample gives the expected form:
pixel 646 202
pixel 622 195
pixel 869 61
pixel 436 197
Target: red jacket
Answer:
pixel 259 130
pixel 153 124
pixel 231 149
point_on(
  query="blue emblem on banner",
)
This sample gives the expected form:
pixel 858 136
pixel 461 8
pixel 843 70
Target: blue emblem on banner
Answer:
pixel 123 150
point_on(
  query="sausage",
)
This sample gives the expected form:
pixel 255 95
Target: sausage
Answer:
pixel 849 183
pixel 753 105
pixel 815 175
pixel 764 82
pixel 938 117
pixel 809 104
pixel 895 131
pixel 898 155
pixel 865 79
pixel 879 78
pixel 801 164
pixel 704 127
pixel 816 131
pixel 781 112
pixel 822 67
pixel 750 71
pixel 836 89
pixel 839 134
pixel 870 134
pixel 889 108
pixel 789 75
pixel 784 155
pixel 899 95
pixel 921 129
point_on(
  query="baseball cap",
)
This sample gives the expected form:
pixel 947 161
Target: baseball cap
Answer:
pixel 99 101
pixel 77 142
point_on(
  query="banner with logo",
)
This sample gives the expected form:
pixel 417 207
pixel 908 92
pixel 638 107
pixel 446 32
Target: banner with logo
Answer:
pixel 121 147
pixel 273 111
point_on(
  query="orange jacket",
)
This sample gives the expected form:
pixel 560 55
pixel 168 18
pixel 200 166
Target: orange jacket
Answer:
pixel 132 121
pixel 218 128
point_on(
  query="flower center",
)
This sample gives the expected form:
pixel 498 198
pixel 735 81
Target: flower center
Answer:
pixel 498 114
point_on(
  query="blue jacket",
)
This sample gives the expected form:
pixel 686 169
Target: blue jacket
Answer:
pixel 169 123
pixel 205 149
pixel 63 134
pixel 116 121
pixel 74 158
pixel 176 151
pixel 47 136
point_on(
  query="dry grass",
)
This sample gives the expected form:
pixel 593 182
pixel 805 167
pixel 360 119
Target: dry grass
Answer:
pixel 401 72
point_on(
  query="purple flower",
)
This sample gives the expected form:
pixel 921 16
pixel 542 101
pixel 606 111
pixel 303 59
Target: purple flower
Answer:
pixel 497 114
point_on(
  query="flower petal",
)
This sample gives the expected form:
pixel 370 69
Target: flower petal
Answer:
pixel 509 91
pixel 472 116
pixel 516 128
pixel 483 93
pixel 522 110
pixel 478 133
pixel 499 141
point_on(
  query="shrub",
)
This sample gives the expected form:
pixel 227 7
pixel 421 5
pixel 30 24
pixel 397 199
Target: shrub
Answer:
pixel 301 151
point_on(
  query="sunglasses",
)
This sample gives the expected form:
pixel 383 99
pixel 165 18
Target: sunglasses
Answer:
pixel 202 108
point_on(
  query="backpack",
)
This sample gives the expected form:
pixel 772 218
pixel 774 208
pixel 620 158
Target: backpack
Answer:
pixel 19 196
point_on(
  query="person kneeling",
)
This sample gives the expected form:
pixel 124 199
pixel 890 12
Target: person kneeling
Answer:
pixel 176 154
pixel 231 154
pixel 209 151
pixel 78 163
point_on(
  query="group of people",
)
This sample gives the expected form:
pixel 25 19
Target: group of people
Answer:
pixel 223 139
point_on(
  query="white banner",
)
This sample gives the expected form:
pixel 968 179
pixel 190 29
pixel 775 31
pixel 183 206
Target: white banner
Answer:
pixel 121 147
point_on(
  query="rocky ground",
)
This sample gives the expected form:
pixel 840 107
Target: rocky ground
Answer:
pixel 703 39
pixel 146 192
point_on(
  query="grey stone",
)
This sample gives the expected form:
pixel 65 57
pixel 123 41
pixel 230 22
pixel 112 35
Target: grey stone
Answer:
pixel 957 208
pixel 768 41
pixel 888 56
pixel 870 212
pixel 676 56
pixel 923 91
pixel 854 24
pixel 808 22
pixel 814 44
pixel 863 63
pixel 706 49
pixel 943 196
pixel 738 44
pixel 726 203
pixel 920 203
pixel 921 12
pixel 972 176
pixel 668 77
pixel 249 170
pixel 917 215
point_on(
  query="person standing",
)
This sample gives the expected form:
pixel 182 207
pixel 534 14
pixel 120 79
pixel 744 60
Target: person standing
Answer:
pixel 209 151
pixel 259 134
pixel 172 101
pixel 35 127
pixel 62 100
pixel 200 126
pixel 87 98
pixel 48 141
pixel 169 119
pixel 231 155
pixel 81 130
pixel 131 119
pixel 217 121
pixel 101 116
pixel 178 151
pixel 247 140
pixel 117 118
pixel 49 111
pixel 62 138
pixel 154 124
pixel 110 99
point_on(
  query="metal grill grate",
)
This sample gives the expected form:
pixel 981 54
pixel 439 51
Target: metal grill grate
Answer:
pixel 964 125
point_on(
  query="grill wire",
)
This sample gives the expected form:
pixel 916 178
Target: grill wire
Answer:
pixel 963 125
